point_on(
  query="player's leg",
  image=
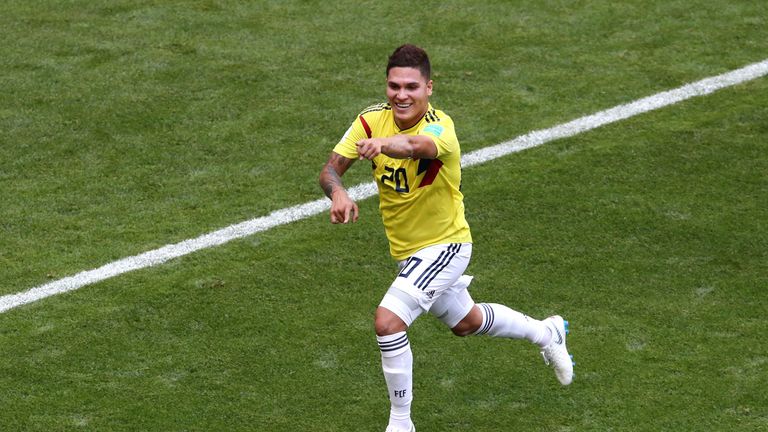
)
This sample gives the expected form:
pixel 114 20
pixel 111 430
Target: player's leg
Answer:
pixel 393 317
pixel 456 309
pixel 421 280
pixel 500 321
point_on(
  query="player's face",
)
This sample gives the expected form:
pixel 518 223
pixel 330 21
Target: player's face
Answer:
pixel 408 92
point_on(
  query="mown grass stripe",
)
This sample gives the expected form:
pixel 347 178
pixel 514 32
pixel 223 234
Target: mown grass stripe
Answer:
pixel 366 190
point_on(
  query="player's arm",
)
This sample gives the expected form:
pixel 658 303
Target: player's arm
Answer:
pixel 343 209
pixel 398 147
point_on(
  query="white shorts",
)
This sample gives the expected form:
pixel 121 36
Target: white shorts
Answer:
pixel 432 280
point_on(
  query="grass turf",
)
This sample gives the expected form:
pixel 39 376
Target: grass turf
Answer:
pixel 129 125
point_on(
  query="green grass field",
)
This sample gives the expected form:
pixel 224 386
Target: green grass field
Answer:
pixel 129 125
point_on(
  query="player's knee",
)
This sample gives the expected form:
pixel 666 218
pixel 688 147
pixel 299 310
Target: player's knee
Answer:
pixel 469 324
pixel 384 328
pixel 463 329
pixel 387 323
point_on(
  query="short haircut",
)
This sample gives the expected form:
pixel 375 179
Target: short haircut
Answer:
pixel 410 56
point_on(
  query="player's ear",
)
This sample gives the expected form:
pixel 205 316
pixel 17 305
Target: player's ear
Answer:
pixel 429 88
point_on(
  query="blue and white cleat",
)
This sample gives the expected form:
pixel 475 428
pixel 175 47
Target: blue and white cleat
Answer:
pixel 556 354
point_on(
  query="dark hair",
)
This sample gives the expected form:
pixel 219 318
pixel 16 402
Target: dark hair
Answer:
pixel 410 56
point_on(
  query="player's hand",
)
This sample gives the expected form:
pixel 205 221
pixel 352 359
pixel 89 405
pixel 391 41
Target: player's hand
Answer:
pixel 343 209
pixel 368 148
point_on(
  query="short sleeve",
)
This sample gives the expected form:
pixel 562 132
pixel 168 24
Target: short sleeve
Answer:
pixel 442 133
pixel 347 145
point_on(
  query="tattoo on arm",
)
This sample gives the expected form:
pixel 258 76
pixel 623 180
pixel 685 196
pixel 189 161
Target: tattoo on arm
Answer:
pixel 329 180
pixel 330 177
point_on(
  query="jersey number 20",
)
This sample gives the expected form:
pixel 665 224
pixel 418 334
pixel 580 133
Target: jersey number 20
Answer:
pixel 396 177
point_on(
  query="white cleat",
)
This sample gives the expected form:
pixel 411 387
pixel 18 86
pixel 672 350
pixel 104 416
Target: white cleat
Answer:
pixel 397 429
pixel 555 354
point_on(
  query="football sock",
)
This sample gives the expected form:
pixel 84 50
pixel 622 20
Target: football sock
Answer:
pixel 501 321
pixel 397 364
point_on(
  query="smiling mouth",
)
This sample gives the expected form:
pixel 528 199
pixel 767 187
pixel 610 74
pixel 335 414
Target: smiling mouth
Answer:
pixel 403 105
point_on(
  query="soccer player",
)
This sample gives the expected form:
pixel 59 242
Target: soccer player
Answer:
pixel 416 162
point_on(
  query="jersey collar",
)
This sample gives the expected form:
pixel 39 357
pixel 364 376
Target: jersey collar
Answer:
pixel 429 108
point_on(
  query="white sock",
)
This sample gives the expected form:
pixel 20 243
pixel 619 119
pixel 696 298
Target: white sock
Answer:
pixel 501 321
pixel 397 364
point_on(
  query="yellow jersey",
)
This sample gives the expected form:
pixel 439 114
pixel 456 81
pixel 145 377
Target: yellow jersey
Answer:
pixel 420 200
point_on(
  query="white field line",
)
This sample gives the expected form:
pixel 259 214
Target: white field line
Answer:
pixel 366 190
